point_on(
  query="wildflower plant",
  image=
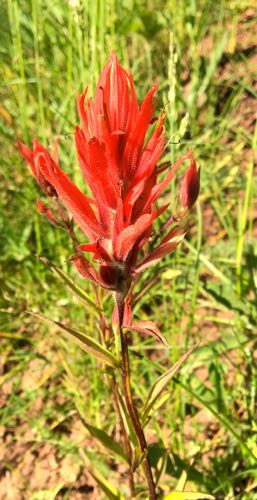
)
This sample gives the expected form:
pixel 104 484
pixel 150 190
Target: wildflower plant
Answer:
pixel 119 145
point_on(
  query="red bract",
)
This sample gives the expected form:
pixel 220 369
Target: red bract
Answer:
pixel 32 158
pixel 190 186
pixel 119 165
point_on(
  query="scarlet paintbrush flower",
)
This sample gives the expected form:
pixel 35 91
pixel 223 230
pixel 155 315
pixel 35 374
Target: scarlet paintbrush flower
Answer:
pixel 119 166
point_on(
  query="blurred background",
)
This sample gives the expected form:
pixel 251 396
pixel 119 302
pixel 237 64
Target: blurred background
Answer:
pixel 204 56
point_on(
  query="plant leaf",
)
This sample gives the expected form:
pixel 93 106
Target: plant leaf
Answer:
pixel 127 421
pixel 87 343
pixel 156 405
pixel 180 486
pixel 106 440
pixel 109 490
pixel 161 384
pixel 188 495
pixel 149 328
pixel 71 284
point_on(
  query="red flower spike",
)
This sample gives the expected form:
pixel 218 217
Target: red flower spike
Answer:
pixel 120 167
pixel 190 186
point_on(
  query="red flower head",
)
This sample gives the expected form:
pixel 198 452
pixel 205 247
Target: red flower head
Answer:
pixel 119 166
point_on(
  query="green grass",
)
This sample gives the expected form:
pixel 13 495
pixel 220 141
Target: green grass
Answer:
pixel 205 291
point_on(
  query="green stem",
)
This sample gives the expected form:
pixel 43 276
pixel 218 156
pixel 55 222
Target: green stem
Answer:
pixel 124 434
pixel 129 400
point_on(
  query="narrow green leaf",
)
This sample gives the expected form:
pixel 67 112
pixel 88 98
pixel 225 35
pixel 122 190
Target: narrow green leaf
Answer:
pixel 109 490
pixel 156 405
pixel 180 486
pixel 127 421
pixel 106 440
pixel 71 284
pixel 138 457
pixel 87 343
pixel 161 383
pixel 188 495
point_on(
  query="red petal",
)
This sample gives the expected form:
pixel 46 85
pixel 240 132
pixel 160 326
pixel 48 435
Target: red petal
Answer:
pixel 135 140
pixel 72 197
pixel 159 187
pixel 148 328
pixel 99 252
pixel 28 156
pixel 137 198
pixel 87 270
pixel 152 151
pixel 116 95
pixel 81 108
pixel 168 244
pixel 126 239
pixel 104 173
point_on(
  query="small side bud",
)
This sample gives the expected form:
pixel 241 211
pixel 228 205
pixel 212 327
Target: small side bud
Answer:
pixel 190 186
pixel 43 209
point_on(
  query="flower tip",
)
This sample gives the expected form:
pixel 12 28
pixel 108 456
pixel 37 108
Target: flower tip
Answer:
pixel 113 56
pixel 37 147
pixel 24 150
pixel 113 61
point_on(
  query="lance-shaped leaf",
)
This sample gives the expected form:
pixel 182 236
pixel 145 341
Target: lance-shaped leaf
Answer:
pixel 161 383
pixel 108 488
pixel 71 284
pixel 188 495
pixel 88 344
pixel 127 421
pixel 106 440
pixel 148 328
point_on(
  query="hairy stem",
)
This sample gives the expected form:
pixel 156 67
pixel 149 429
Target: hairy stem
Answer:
pixel 129 400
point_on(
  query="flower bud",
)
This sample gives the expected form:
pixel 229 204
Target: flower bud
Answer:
pixel 43 209
pixel 190 186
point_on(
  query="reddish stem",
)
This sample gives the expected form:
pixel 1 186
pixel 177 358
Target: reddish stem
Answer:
pixel 129 400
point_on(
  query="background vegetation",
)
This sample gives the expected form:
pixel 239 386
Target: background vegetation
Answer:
pixel 204 55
